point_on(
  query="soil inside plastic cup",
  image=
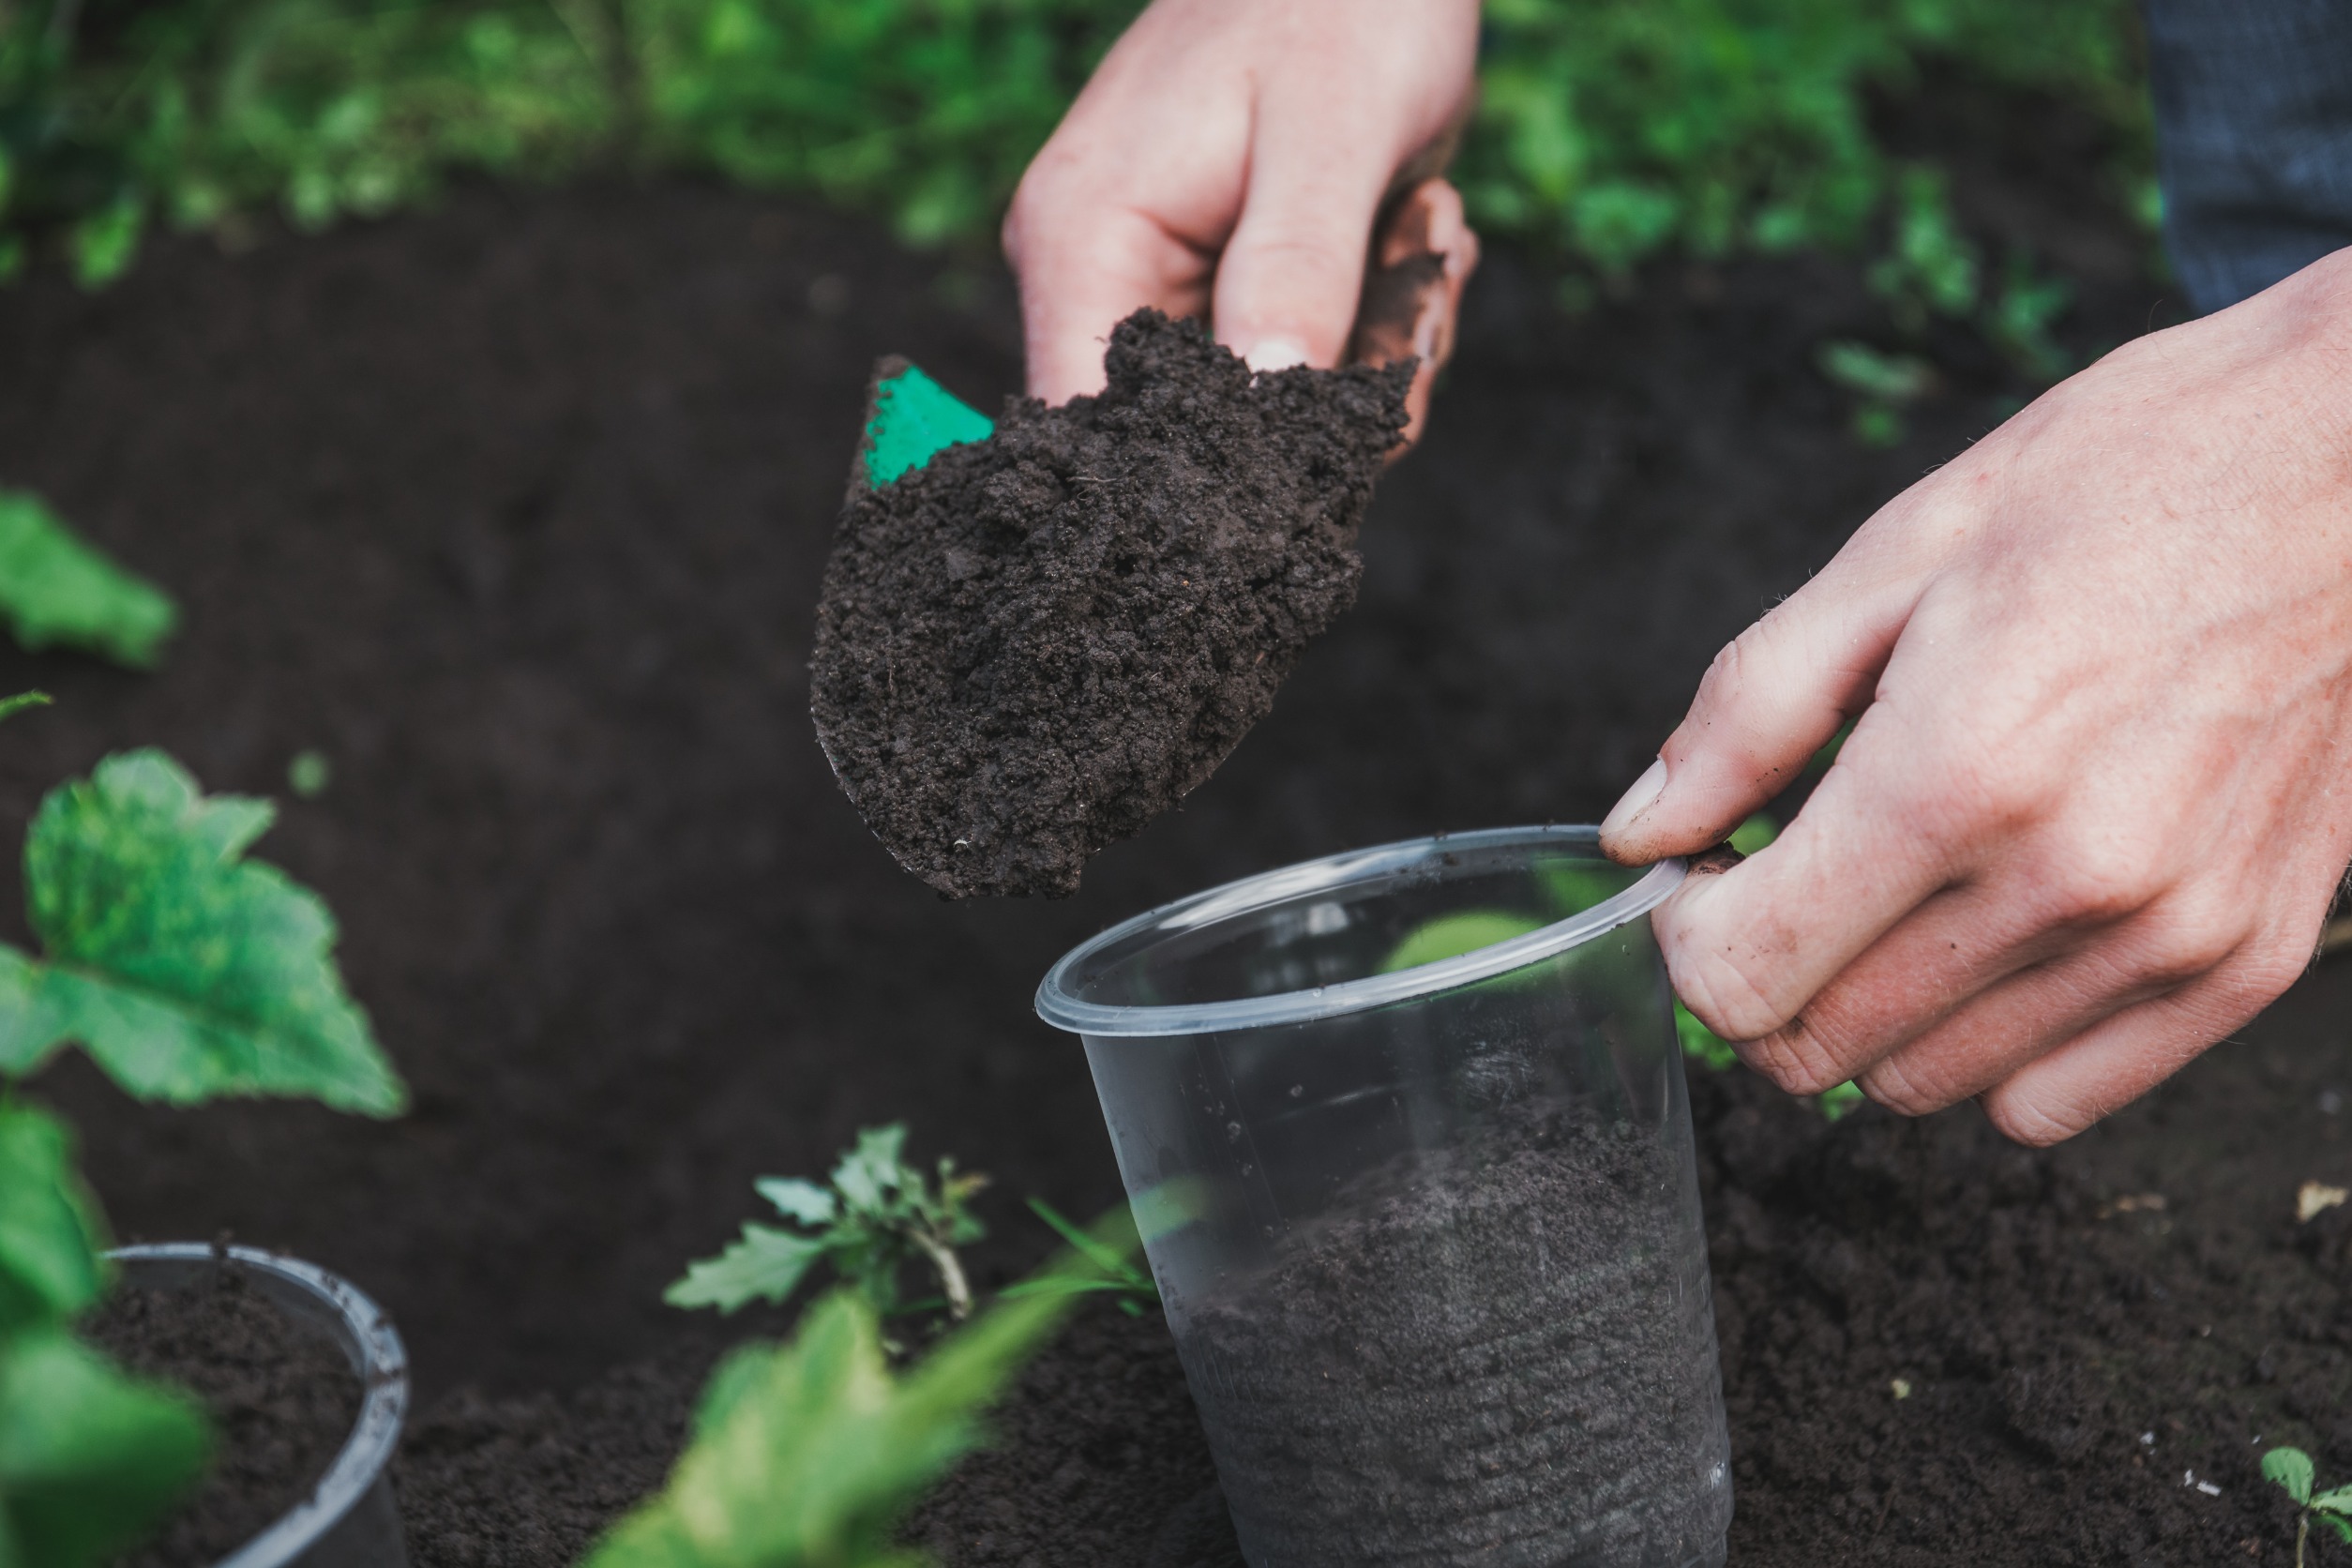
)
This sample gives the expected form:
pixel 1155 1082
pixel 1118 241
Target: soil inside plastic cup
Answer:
pixel 348 1517
pixel 1405 1134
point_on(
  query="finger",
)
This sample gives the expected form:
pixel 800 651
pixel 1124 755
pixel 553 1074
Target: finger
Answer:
pixel 1771 699
pixel 1084 265
pixel 1288 283
pixel 2017 1022
pixel 1750 949
pixel 1423 257
pixel 1776 693
pixel 1955 946
pixel 2108 1066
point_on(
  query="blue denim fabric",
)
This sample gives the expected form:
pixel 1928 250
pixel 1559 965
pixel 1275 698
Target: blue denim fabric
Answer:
pixel 2253 137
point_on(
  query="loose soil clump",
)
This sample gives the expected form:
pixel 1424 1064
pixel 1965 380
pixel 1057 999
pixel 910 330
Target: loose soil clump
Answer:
pixel 282 1401
pixel 1034 645
pixel 1485 1357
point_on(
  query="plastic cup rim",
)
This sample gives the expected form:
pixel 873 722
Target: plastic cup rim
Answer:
pixel 1058 1005
pixel 383 1401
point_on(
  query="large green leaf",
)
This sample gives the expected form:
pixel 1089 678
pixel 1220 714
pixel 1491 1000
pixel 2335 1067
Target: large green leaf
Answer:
pixel 806 1453
pixel 89 1458
pixel 185 969
pixel 57 589
pixel 51 1262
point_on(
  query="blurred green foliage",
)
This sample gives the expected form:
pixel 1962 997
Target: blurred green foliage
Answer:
pixel 1613 129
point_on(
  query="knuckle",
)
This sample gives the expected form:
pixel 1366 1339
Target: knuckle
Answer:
pixel 2006 783
pixel 2029 1119
pixel 1795 1060
pixel 1053 190
pixel 2182 950
pixel 2100 880
pixel 1719 991
pixel 2264 969
pixel 1911 1087
pixel 1728 672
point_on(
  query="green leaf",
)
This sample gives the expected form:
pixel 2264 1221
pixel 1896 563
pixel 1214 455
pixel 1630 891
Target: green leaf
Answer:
pixel 875 1170
pixel 805 1201
pixel 1449 935
pixel 186 970
pixel 806 1459
pixel 2336 1500
pixel 2344 1531
pixel 808 1453
pixel 1572 887
pixel 2291 1469
pixel 1836 1100
pixel 1754 834
pixel 10 706
pixel 1886 378
pixel 90 1458
pixel 1702 1042
pixel 52 1265
pixel 805 1454
pixel 56 590
pixel 766 1264
pixel 1108 1260
pixel 104 242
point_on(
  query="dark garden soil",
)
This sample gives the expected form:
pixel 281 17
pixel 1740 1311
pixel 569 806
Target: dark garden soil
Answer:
pixel 282 1397
pixel 516 512
pixel 1033 645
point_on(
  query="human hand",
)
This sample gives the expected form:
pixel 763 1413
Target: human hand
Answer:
pixel 1231 157
pixel 2100 794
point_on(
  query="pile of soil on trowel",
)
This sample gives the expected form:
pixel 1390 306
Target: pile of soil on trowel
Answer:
pixel 1033 644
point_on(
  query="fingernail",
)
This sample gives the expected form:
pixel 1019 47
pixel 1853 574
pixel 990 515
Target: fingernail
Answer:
pixel 1275 354
pixel 1640 798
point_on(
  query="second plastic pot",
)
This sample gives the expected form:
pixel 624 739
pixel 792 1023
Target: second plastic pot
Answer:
pixel 1406 1133
pixel 350 1519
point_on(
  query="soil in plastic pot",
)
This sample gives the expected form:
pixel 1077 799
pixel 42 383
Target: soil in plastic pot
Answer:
pixel 282 1398
pixel 1499 1353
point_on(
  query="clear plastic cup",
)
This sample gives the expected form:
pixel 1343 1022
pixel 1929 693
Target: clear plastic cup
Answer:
pixel 1406 1135
pixel 350 1519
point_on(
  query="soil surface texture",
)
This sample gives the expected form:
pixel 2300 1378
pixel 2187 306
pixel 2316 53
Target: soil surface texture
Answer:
pixel 1034 645
pixel 1938 1349
pixel 517 512
pixel 533 1479
pixel 282 1397
pixel 1486 1357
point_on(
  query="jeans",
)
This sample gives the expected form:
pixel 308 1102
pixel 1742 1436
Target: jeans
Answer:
pixel 2254 138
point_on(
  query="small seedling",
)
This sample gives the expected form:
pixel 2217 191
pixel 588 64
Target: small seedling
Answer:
pixel 2291 1469
pixel 58 590
pixel 808 1455
pixel 878 1215
pixel 1109 1262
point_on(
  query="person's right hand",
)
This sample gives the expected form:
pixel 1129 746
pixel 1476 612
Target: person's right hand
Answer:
pixel 1231 157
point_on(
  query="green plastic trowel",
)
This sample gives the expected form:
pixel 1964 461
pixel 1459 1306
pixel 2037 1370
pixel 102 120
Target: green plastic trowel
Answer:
pixel 909 418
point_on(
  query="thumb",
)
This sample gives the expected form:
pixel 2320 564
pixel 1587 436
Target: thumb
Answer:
pixel 1771 699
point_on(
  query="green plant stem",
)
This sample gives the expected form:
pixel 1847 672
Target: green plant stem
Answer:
pixel 2302 1532
pixel 951 1272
